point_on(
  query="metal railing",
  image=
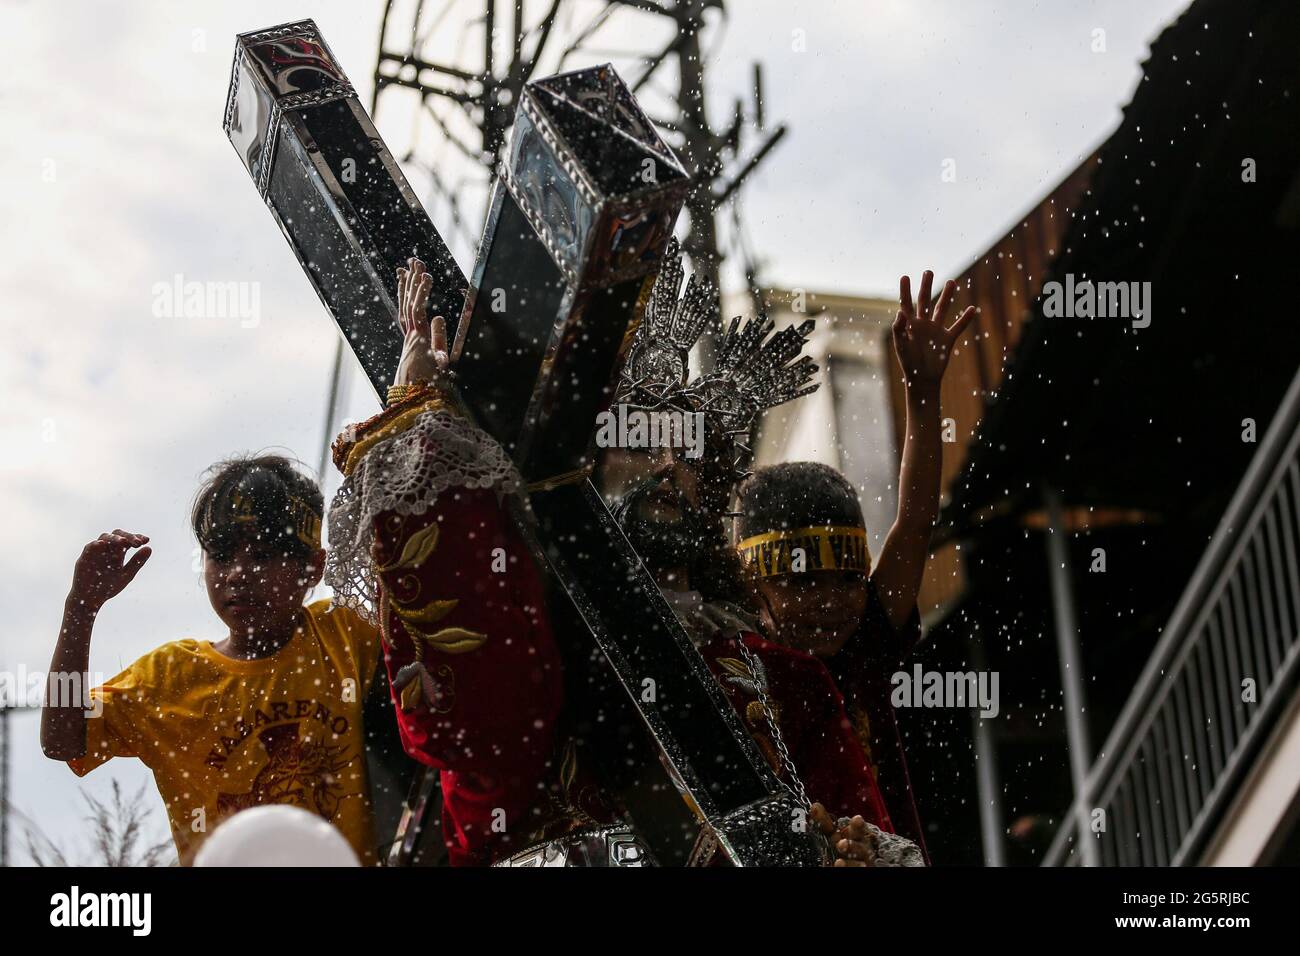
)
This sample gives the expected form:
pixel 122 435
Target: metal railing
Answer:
pixel 1215 684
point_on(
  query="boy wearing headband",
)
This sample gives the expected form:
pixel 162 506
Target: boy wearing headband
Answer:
pixel 272 712
pixel 803 543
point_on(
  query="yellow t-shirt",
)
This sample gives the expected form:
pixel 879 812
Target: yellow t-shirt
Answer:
pixel 222 735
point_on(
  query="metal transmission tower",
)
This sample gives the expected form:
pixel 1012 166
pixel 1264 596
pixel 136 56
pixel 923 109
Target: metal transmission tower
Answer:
pixel 488 94
pixel 718 159
pixel 462 64
pixel 470 106
pixel 466 62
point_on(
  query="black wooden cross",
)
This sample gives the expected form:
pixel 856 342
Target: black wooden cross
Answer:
pixel 579 218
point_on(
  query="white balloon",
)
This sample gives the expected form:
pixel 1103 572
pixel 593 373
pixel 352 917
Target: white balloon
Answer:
pixel 275 836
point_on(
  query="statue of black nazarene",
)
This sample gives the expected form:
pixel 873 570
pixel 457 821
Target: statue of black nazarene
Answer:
pixel 671 483
pixel 468 497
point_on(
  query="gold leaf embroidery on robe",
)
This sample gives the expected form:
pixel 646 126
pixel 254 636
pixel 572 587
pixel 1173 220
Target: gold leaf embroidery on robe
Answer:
pixel 412 694
pixel 418 547
pixel 418 621
pixel 734 665
pixel 450 640
pixel 439 700
pixel 421 617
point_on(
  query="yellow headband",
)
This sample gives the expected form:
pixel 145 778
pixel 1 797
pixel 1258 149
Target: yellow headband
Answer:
pixel 306 523
pixel 821 548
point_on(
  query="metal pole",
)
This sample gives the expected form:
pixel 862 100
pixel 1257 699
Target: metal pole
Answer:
pixel 4 785
pixel 986 784
pixel 992 827
pixel 1067 645
pixel 331 412
pixel 700 153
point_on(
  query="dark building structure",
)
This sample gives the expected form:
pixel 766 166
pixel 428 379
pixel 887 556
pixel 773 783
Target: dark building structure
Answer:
pixel 1128 525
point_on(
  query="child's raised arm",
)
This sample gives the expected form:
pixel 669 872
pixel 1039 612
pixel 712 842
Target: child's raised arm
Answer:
pixel 100 574
pixel 923 345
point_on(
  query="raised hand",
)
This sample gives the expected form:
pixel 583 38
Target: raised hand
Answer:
pixel 921 340
pixel 102 573
pixel 424 342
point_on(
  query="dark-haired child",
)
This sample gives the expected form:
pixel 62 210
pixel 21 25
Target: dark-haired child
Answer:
pixel 272 712
pixel 803 542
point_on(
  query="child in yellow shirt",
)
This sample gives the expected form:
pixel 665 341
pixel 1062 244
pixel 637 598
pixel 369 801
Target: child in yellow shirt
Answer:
pixel 271 713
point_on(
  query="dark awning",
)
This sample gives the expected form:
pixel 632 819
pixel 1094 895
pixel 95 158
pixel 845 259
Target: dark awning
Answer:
pixel 1152 418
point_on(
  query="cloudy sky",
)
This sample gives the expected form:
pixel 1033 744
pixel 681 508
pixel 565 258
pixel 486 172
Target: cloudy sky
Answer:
pixel 118 179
